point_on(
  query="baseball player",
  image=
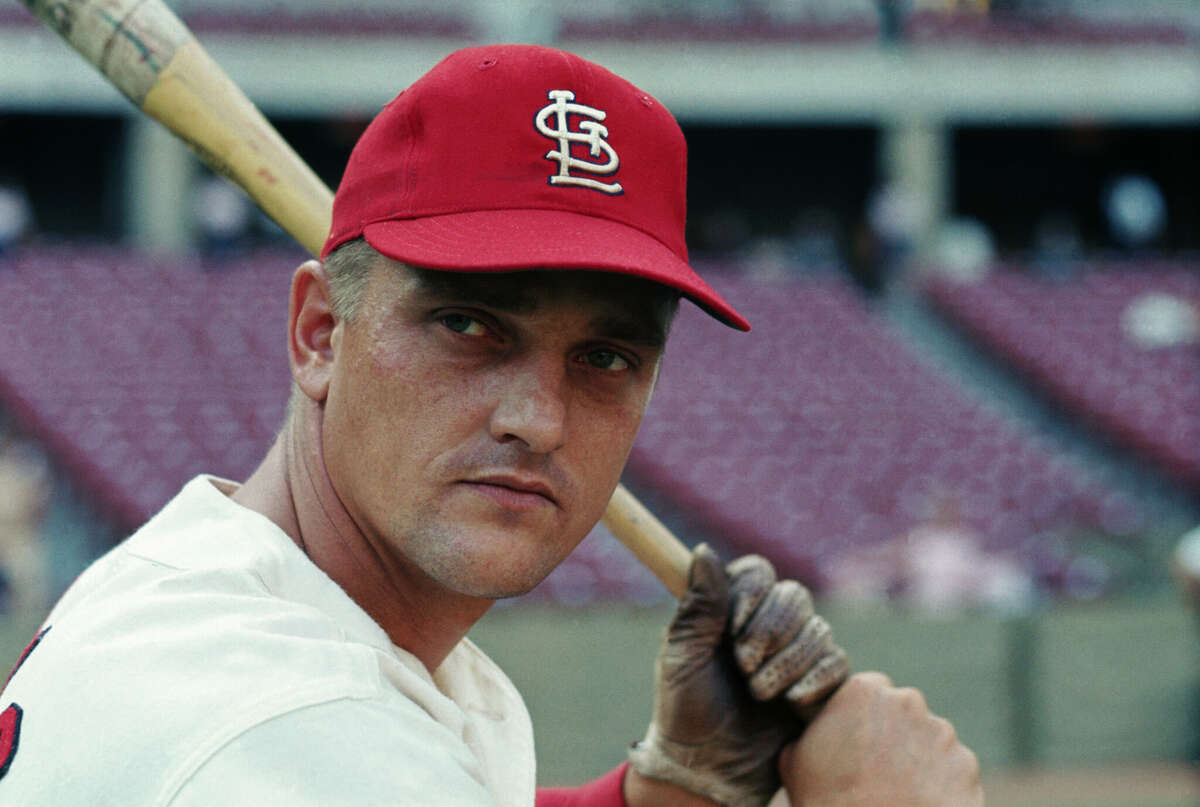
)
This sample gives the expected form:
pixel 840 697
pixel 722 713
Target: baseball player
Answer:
pixel 471 360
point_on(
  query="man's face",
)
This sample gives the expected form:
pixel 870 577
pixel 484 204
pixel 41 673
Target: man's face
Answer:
pixel 477 423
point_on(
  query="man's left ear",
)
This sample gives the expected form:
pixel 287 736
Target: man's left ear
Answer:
pixel 313 330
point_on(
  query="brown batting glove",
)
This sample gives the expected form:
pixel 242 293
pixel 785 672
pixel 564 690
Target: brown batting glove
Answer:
pixel 742 661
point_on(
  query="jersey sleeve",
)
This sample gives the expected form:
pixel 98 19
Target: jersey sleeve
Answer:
pixel 342 753
pixel 602 792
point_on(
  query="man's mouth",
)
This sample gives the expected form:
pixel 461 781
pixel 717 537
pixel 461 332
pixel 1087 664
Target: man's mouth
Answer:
pixel 514 491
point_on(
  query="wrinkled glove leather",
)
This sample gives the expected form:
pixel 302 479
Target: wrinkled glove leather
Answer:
pixel 742 660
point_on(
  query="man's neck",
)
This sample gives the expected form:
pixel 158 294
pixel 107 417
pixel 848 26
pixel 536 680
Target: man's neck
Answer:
pixel 292 488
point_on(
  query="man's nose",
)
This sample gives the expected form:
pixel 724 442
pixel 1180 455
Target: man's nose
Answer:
pixel 532 405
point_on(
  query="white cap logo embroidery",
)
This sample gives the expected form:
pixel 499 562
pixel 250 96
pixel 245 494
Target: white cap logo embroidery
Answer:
pixel 591 133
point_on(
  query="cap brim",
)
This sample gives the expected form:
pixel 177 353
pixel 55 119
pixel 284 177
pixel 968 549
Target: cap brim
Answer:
pixel 509 240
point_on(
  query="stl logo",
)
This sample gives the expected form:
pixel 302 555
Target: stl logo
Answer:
pixel 591 133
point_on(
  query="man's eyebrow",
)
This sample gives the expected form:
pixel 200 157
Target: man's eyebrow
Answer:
pixel 470 288
pixel 646 332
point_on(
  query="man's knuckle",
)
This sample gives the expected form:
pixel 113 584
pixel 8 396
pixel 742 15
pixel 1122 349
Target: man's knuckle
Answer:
pixel 817 631
pixel 795 592
pixel 874 680
pixel 944 730
pixel 755 566
pixel 867 682
pixel 769 681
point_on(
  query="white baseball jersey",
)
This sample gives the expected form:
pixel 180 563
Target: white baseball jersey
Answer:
pixel 207 661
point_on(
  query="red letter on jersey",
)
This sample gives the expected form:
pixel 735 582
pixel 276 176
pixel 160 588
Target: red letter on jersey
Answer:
pixel 10 734
pixel 10 718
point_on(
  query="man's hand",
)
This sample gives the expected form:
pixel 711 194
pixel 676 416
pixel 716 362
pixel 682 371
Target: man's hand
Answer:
pixel 874 745
pixel 742 657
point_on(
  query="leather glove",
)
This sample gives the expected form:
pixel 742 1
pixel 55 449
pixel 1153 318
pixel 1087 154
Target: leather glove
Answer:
pixel 742 660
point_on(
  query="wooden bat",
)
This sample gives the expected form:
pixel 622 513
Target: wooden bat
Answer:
pixel 150 55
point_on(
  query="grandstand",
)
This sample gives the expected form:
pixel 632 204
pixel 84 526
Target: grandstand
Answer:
pixel 835 431
pixel 1067 340
pixel 839 152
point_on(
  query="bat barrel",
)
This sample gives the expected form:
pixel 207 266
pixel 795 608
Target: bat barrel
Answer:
pixel 150 56
pixel 195 99
pixel 129 41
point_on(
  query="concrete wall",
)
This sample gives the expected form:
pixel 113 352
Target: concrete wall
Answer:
pixel 1076 684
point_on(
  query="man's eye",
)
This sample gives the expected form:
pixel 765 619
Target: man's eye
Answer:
pixel 461 323
pixel 606 360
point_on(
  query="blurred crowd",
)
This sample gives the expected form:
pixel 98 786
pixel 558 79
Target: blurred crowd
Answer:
pixel 25 491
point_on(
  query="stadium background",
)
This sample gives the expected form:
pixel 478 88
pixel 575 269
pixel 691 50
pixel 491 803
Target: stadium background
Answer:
pixel 968 416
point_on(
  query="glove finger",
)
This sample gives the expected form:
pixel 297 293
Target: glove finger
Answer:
pixel 790 664
pixel 704 607
pixel 750 578
pixel 781 616
pixel 819 682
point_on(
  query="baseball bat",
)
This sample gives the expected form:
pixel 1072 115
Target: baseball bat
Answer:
pixel 149 54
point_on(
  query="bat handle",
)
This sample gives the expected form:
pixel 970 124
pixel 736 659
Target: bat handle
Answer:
pixel 665 555
pixel 649 540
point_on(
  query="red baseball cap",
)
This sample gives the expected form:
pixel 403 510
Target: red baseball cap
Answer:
pixel 509 157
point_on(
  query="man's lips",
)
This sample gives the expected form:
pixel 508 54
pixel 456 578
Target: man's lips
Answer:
pixel 514 491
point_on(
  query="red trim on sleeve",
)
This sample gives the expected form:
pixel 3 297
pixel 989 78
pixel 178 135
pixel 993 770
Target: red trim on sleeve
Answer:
pixel 602 792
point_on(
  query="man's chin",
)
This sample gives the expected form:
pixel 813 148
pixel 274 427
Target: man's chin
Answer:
pixel 491 586
pixel 483 559
pixel 491 569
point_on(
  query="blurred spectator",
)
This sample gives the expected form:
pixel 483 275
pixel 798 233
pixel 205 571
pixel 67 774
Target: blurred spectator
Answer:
pixel 1185 565
pixel 963 250
pixel 871 574
pixel 1057 246
pixel 947 569
pixel 16 217
pixel 24 497
pixel 769 259
pixel 814 239
pixel 1158 320
pixel 896 217
pixel 1136 210
pixel 223 215
pixel 939 568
